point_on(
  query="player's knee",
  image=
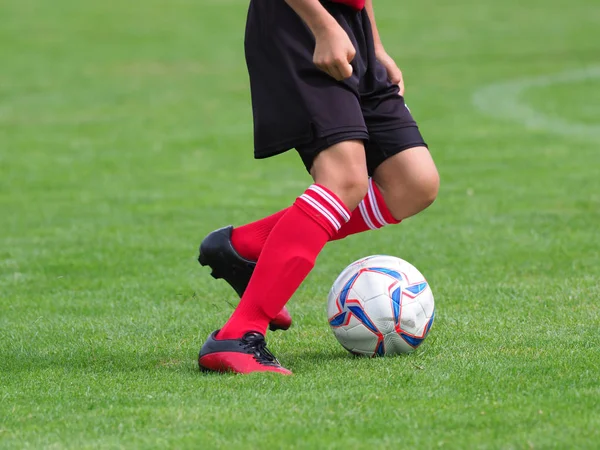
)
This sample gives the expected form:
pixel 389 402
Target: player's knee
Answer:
pixel 352 189
pixel 343 169
pixel 412 196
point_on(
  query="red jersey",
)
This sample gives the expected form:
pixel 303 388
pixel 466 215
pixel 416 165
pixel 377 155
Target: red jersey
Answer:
pixel 356 4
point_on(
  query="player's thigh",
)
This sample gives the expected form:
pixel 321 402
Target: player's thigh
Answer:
pixel 397 155
pixel 409 181
pixel 412 170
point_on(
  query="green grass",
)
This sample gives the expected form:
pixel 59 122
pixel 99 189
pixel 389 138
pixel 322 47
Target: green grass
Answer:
pixel 579 103
pixel 125 136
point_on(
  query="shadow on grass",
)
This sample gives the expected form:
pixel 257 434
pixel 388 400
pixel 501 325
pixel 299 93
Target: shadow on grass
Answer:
pixel 305 361
pixel 298 362
pixel 319 356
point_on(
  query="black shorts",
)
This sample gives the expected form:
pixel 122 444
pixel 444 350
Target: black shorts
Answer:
pixel 296 105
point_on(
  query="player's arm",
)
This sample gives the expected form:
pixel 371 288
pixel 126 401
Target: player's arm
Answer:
pixel 333 51
pixel 394 73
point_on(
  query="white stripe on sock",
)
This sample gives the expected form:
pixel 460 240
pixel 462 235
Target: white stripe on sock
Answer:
pixel 374 205
pixel 321 209
pixel 332 201
pixel 363 212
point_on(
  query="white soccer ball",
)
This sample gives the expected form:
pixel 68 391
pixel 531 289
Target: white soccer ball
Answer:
pixel 380 305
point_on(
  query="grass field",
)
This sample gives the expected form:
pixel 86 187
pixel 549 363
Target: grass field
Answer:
pixel 125 136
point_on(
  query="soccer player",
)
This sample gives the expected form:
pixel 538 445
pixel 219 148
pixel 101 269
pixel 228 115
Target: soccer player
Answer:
pixel 323 84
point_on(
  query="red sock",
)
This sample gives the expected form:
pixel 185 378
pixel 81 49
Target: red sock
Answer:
pixel 248 240
pixel 288 256
pixel 372 213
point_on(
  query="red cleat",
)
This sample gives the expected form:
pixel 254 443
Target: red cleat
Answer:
pixel 246 355
pixel 282 321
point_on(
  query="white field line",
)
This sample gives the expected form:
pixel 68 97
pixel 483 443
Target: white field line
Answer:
pixel 503 101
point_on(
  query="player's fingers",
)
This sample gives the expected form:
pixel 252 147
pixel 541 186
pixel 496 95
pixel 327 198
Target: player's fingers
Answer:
pixel 327 67
pixel 345 70
pixel 320 66
pixel 401 84
pixel 337 73
pixel 332 71
pixel 338 69
pixel 396 77
pixel 351 54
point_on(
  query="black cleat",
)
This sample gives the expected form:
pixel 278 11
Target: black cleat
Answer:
pixel 217 252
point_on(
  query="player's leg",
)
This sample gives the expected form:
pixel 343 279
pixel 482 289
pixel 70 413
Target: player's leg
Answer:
pixel 249 239
pixel 340 176
pixel 232 252
pixel 409 181
pixel 406 182
pixel 295 105
pixel 219 251
pixel 397 156
pixel 289 254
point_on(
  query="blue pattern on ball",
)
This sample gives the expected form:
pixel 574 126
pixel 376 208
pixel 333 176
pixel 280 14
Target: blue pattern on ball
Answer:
pixel 361 315
pixel 393 273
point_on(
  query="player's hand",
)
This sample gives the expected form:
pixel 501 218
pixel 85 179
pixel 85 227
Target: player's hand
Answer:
pixel 334 52
pixel 394 73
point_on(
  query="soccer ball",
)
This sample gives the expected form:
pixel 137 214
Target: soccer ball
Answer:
pixel 380 305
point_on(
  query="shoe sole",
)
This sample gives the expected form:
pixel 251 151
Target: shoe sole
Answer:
pixel 229 370
pixel 218 272
pixel 215 272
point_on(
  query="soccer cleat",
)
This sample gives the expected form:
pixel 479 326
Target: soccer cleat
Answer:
pixel 282 321
pixel 245 355
pixel 217 252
